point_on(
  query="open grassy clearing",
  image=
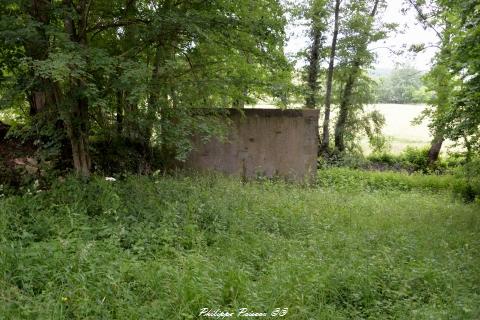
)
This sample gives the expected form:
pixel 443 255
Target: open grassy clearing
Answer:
pixel 398 126
pixel 164 248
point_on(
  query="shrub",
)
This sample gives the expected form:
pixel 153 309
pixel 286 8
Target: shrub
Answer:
pixel 471 173
pixel 417 158
pixel 343 159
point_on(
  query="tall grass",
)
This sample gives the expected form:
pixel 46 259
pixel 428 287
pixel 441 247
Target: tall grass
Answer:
pixel 164 248
pixel 359 180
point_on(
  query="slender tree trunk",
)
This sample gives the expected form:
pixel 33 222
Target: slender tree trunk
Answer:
pixel 345 101
pixel 312 78
pixel 78 132
pixel 127 111
pixel 239 103
pixel 154 100
pixel 344 110
pixel 468 145
pixel 328 95
pixel 435 148
pixel 119 112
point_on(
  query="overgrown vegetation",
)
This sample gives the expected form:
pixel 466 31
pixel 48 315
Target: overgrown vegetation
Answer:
pixel 407 170
pixel 116 87
pixel 136 70
pixel 373 245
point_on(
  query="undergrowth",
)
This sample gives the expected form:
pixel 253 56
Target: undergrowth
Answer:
pixel 166 247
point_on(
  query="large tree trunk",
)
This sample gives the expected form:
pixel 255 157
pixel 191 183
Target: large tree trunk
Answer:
pixel 77 124
pixel 312 77
pixel 78 133
pixel 435 148
pixel 328 95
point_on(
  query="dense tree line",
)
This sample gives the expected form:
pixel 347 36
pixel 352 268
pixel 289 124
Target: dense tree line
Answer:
pixel 85 71
pixel 403 86
pixel 136 69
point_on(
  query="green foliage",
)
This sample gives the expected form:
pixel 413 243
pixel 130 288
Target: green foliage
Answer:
pixel 364 181
pixel 354 86
pixel 454 79
pixel 354 160
pixel 416 157
pixel 411 159
pixel 166 247
pixel 135 70
pixel 403 86
pixel 470 171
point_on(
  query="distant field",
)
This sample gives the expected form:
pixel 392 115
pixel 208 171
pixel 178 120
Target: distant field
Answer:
pixel 398 127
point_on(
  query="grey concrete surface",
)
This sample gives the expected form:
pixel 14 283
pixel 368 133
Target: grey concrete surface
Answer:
pixel 262 142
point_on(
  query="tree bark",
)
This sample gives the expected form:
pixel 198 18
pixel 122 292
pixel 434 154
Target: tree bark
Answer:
pixel 77 124
pixel 127 111
pixel 435 148
pixel 78 133
pixel 312 78
pixel 328 95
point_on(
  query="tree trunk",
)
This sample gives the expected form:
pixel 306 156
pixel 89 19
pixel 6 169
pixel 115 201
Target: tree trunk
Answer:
pixel 127 111
pixel 435 148
pixel 344 110
pixel 77 124
pixel 468 145
pixel 345 102
pixel 328 95
pixel 40 94
pixel 78 133
pixel 312 80
pixel 119 112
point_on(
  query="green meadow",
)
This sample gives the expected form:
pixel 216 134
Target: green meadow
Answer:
pixel 354 245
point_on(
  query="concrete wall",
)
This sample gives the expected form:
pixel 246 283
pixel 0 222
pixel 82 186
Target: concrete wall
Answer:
pixel 263 142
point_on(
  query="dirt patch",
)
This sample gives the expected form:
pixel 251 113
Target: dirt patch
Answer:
pixel 14 153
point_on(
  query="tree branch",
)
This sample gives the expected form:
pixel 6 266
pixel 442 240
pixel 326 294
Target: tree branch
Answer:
pixel 99 27
pixel 424 18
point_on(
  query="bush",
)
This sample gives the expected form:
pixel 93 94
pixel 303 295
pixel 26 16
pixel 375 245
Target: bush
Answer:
pixel 344 159
pixel 411 160
pixel 119 156
pixel 384 157
pixel 416 158
pixel 471 173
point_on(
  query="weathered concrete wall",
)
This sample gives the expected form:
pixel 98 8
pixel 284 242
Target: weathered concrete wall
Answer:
pixel 265 142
